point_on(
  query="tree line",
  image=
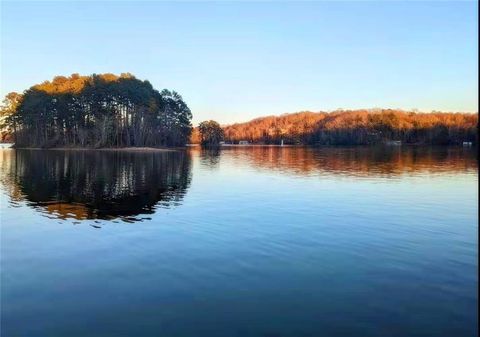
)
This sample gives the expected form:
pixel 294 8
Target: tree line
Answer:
pixel 357 127
pixel 103 110
pixel 119 111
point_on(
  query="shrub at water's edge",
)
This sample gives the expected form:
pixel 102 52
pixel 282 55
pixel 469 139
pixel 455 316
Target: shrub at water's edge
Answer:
pixel 211 133
pixel 96 111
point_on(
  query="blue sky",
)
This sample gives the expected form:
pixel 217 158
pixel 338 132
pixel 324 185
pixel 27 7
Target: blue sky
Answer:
pixel 233 61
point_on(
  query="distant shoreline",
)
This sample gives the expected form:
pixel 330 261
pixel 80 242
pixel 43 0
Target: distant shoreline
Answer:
pixel 173 149
pixel 253 144
pixel 338 145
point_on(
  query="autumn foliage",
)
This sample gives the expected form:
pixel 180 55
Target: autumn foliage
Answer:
pixel 357 127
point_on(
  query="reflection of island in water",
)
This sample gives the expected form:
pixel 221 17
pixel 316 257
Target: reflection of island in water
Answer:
pixel 374 162
pixel 96 184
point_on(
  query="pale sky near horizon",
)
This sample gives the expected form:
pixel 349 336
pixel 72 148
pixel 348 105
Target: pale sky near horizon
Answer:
pixel 234 61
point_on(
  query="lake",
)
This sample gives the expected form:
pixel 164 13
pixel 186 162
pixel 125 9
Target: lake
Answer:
pixel 243 241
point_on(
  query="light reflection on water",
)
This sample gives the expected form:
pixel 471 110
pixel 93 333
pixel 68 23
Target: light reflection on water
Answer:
pixel 257 241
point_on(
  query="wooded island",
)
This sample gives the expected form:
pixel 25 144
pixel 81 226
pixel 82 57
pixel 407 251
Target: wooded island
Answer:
pixel 96 111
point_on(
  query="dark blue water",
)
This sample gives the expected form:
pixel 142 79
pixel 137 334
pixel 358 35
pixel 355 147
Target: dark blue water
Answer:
pixel 240 242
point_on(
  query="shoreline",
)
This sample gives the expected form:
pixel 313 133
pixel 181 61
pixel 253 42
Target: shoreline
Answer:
pixel 123 149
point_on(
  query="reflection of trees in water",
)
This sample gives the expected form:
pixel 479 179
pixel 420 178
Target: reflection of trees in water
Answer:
pixel 97 184
pixel 357 161
pixel 210 156
pixel 117 184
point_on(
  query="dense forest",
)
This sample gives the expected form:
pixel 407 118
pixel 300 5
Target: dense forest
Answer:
pixel 357 127
pixel 96 111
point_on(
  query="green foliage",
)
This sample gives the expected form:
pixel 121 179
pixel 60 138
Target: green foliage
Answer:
pixel 99 111
pixel 211 133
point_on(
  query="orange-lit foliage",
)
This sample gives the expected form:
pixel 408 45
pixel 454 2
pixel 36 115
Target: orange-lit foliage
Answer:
pixel 7 110
pixel 360 127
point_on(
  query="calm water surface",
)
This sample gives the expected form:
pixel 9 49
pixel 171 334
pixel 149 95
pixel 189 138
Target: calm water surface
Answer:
pixel 239 242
